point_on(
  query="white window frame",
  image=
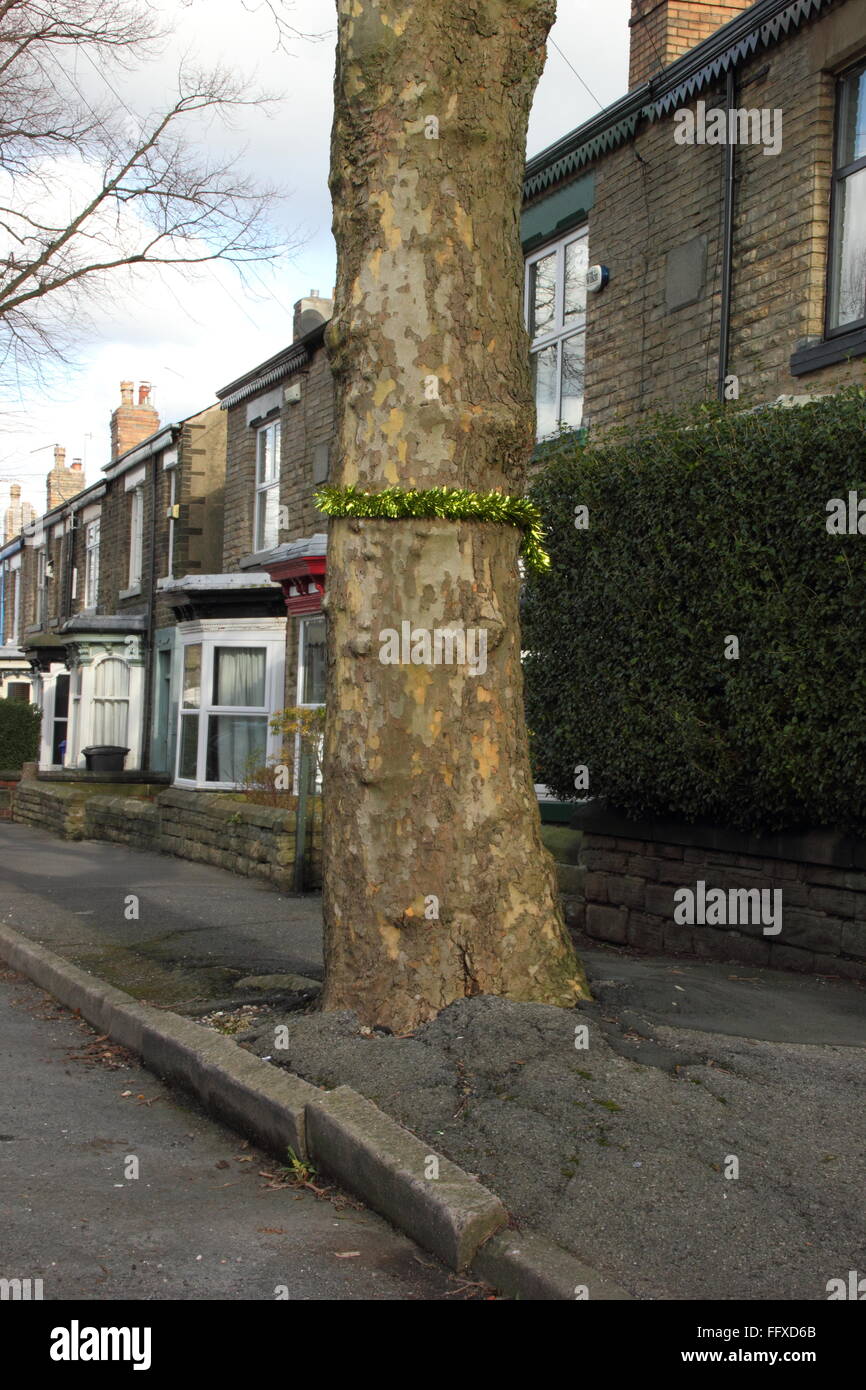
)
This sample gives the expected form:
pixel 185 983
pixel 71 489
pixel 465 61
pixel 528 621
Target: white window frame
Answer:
pixel 41 585
pixel 264 485
pixel 172 503
pixel 92 541
pixel 136 537
pixel 302 703
pixel 560 332
pixel 845 171
pixel 269 633
pixel 15 574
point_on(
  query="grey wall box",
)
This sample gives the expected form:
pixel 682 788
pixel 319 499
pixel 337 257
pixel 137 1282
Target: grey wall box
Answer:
pixel 321 462
pixel 685 273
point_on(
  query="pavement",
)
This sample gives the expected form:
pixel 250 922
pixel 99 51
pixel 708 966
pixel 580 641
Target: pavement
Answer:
pixel 196 930
pixel 198 1222
pixel 704 1139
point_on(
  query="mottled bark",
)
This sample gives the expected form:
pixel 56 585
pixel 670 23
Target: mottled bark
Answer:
pixel 429 802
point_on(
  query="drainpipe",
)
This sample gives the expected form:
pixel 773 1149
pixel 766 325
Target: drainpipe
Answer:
pixel 727 237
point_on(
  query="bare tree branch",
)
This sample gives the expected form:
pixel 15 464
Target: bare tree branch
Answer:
pixel 86 190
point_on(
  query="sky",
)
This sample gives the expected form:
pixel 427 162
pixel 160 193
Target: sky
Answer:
pixel 190 336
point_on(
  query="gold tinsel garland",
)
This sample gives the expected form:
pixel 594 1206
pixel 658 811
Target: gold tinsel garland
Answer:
pixel 450 503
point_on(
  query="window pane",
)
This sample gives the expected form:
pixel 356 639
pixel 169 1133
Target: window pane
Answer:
pixel 269 454
pixel 852 132
pixel 571 411
pixel 542 296
pixel 544 386
pixel 192 676
pixel 239 676
pixel 236 744
pixel 849 289
pixel 576 261
pixel 313 691
pixel 267 518
pixel 188 746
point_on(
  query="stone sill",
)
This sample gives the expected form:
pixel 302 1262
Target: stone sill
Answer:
pixel 827 847
pixel 74 774
pixel 828 352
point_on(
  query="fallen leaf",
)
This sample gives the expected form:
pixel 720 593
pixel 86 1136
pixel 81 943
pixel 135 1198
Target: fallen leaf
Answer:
pixel 346 1254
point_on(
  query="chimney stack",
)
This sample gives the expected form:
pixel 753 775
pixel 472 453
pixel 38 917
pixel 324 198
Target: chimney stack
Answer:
pixel 309 313
pixel 63 483
pixel 131 423
pixel 18 515
pixel 663 30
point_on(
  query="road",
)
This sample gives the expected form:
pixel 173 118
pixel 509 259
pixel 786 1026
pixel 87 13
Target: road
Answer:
pixel 199 1222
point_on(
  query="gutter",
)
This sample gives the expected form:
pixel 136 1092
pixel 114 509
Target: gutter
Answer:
pixel 760 26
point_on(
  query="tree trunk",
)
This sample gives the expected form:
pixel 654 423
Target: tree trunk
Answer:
pixel 436 884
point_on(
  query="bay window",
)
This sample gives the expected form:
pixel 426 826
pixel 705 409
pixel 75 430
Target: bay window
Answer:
pixel 555 308
pixel 231 686
pixel 111 701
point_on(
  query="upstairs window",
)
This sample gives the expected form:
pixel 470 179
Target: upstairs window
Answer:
pixel 136 537
pixel 15 577
pixel 41 586
pixel 267 511
pixel 847 298
pixel 91 564
pixel 555 309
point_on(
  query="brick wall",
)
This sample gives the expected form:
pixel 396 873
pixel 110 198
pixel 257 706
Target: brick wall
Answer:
pixel 304 425
pixel 114 545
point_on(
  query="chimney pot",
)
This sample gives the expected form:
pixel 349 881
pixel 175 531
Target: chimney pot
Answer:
pixel 144 393
pixel 15 491
pixel 126 389
pixel 76 463
pixel 59 456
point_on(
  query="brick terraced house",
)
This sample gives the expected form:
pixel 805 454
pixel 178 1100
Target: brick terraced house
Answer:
pixel 85 600
pixel 240 658
pixel 721 206
pixel 704 235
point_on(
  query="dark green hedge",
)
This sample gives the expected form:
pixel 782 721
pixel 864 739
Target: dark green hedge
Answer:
pixel 701 527
pixel 19 734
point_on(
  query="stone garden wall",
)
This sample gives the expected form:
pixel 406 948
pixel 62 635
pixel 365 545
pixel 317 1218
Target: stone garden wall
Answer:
pixel 218 828
pixel 626 888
